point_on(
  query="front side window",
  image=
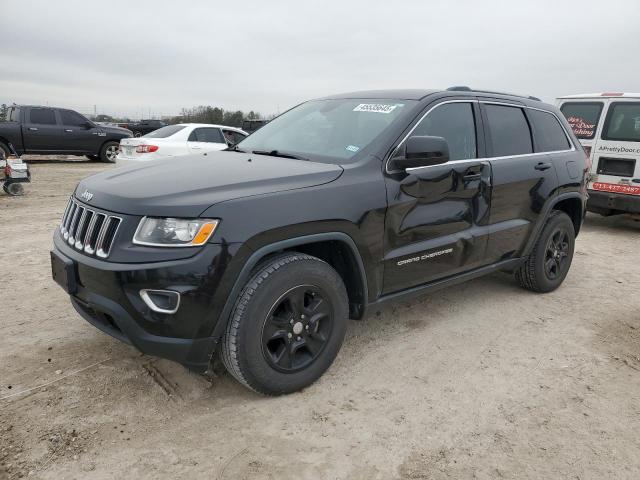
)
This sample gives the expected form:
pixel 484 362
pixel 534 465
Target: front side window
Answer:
pixel 456 124
pixel 332 130
pixel 43 116
pixel 547 131
pixel 209 135
pixel 71 118
pixel 509 130
pixel 164 132
pixel 583 117
pixel 623 122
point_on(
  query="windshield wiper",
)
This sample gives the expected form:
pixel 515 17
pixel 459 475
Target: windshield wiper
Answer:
pixel 276 153
pixel 235 149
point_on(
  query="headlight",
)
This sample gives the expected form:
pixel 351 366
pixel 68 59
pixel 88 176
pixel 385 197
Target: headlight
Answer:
pixel 174 232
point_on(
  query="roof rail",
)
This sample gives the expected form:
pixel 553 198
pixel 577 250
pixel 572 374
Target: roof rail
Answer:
pixel 463 88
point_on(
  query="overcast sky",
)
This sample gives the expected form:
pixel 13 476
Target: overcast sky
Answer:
pixel 136 57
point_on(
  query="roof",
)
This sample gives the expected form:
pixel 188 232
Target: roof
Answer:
pixel 603 95
pixel 406 94
pixel 211 125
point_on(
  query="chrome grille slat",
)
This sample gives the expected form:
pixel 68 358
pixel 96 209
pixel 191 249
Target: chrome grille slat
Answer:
pixel 74 224
pixel 88 230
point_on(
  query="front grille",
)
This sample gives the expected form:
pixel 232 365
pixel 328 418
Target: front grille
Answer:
pixel 89 230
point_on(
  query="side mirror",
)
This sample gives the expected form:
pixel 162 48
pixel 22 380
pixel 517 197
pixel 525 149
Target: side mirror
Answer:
pixel 421 151
pixel 88 126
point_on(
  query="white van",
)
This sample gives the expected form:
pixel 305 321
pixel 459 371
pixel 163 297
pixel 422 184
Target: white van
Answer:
pixel 608 126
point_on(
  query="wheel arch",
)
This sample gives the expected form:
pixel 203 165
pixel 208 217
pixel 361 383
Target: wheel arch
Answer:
pixel 336 248
pixel 571 203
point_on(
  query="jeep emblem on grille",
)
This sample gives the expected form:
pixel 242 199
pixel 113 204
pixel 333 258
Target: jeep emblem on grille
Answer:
pixel 87 195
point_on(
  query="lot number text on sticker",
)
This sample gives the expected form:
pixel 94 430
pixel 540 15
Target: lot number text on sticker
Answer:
pixel 376 107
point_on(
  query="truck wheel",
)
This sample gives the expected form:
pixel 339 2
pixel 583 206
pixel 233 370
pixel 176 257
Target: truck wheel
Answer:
pixel 137 134
pixel 108 152
pixel 550 259
pixel 287 325
pixel 5 150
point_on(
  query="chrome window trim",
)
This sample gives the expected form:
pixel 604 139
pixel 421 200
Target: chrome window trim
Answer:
pixel 475 160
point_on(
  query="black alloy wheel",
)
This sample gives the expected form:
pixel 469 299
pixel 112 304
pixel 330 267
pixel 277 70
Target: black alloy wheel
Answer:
pixel 297 328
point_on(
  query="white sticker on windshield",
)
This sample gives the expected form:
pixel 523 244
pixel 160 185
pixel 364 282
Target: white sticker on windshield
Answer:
pixel 352 148
pixel 376 108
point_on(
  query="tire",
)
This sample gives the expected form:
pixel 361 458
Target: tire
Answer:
pixel 5 150
pixel 108 152
pixel 14 189
pixel 93 158
pixel 137 134
pixel 547 266
pixel 293 303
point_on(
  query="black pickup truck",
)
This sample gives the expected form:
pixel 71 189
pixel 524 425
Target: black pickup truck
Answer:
pixel 143 126
pixel 58 131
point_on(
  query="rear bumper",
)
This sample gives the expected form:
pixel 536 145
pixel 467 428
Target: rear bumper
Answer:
pixel 607 203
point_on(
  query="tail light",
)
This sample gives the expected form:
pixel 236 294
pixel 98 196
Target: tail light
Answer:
pixel 146 148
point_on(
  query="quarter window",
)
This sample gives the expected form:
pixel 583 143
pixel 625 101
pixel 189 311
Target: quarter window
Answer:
pixel 510 134
pixel 583 117
pixel 456 124
pixel 43 116
pixel 623 122
pixel 210 135
pixel 548 134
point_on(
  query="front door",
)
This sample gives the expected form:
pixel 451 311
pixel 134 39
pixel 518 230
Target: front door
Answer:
pixel 79 134
pixel 41 131
pixel 437 217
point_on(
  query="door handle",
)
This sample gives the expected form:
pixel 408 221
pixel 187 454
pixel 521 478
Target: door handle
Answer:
pixel 472 176
pixel 543 166
pixel 33 129
pixel 195 147
pixel 68 130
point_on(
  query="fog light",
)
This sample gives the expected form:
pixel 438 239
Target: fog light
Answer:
pixel 161 301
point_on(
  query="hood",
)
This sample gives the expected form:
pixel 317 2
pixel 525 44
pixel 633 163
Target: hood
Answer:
pixel 116 130
pixel 186 186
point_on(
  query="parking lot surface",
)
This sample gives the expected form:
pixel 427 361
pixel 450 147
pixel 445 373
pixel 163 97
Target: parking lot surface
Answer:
pixel 483 380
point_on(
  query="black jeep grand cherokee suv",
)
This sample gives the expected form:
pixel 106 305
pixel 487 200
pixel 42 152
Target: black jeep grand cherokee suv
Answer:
pixel 263 251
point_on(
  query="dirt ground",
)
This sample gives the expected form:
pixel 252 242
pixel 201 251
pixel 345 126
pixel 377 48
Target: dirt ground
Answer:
pixel 483 380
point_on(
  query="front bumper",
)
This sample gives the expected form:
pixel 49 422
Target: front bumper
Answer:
pixel 607 203
pixel 107 295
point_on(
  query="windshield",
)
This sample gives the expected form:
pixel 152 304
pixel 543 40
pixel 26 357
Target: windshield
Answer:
pixel 337 128
pixel 164 132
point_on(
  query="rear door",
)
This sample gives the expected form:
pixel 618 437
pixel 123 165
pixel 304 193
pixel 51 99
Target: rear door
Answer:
pixel 206 139
pixel 437 218
pixel 616 156
pixel 79 134
pixel 522 179
pixel 41 131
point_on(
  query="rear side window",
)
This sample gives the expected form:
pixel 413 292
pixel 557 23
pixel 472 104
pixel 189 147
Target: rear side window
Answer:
pixel 43 116
pixel 210 135
pixel 548 134
pixel 456 124
pixel 164 132
pixel 510 134
pixel 71 118
pixel 623 122
pixel 583 117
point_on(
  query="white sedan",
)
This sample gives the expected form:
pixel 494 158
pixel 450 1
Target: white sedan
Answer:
pixel 178 140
